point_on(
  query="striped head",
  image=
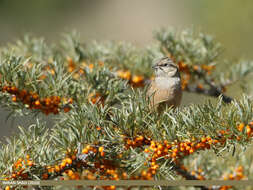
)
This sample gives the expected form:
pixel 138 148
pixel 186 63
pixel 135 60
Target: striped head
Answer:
pixel 165 67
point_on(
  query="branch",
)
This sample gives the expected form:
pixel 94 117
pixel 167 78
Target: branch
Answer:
pixel 214 92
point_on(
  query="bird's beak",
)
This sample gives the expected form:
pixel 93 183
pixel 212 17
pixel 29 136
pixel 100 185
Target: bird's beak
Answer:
pixel 154 66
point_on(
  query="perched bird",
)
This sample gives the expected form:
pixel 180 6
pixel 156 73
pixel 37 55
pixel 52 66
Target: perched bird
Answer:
pixel 165 89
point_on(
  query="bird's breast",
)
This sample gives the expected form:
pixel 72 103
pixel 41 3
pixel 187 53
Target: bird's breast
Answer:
pixel 168 83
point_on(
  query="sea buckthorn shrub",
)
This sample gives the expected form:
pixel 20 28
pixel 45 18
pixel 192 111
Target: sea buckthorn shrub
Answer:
pixel 104 128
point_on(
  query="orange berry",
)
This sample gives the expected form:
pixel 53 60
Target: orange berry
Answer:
pixel 231 176
pixel 88 147
pixel 187 147
pixel 42 77
pixel 137 79
pixel 44 176
pixel 144 173
pixel 124 175
pixel 90 176
pixel 30 163
pixel 47 101
pixel 175 150
pixel 98 128
pixel 63 164
pixel 248 130
pixel 7 188
pixel 191 150
pixel 37 102
pixel 182 66
pixel 73 157
pixel 68 160
pixel 69 60
pixel 239 169
pixel 160 147
pixel 200 177
pixel 124 74
pixel 173 155
pixel 100 149
pixel 240 126
pixel 69 173
pixel 203 139
pixel 85 151
pixel 200 86
pixel 14 98
pixel 159 152
pixel 57 168
pixel 146 150
pixel 66 109
pixel 196 67
pixel 140 138
pixel 102 154
pixel 52 71
pixel 239 175
pixel 91 66
pixel 112 187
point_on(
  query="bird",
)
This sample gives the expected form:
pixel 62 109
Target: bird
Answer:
pixel 165 89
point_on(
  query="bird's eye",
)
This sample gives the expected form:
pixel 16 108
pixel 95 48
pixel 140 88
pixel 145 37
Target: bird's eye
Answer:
pixel 166 64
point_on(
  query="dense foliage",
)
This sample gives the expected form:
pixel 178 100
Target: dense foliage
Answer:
pixel 104 128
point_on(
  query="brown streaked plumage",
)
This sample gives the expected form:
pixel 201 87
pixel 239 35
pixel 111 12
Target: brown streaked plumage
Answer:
pixel 165 89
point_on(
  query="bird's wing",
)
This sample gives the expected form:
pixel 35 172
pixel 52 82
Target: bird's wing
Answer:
pixel 170 96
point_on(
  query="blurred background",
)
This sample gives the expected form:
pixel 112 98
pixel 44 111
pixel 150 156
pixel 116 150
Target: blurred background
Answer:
pixel 230 21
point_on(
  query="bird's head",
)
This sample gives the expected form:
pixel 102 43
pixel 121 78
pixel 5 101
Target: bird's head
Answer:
pixel 165 67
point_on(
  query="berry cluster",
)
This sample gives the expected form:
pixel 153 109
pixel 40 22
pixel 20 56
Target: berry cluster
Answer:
pixel 136 142
pixel 135 80
pixel 96 98
pixel 174 150
pixel 46 105
pixel 247 128
pixel 186 71
pixel 78 69
pixel 236 175
pixel 65 166
pixel 18 168
pixel 199 174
